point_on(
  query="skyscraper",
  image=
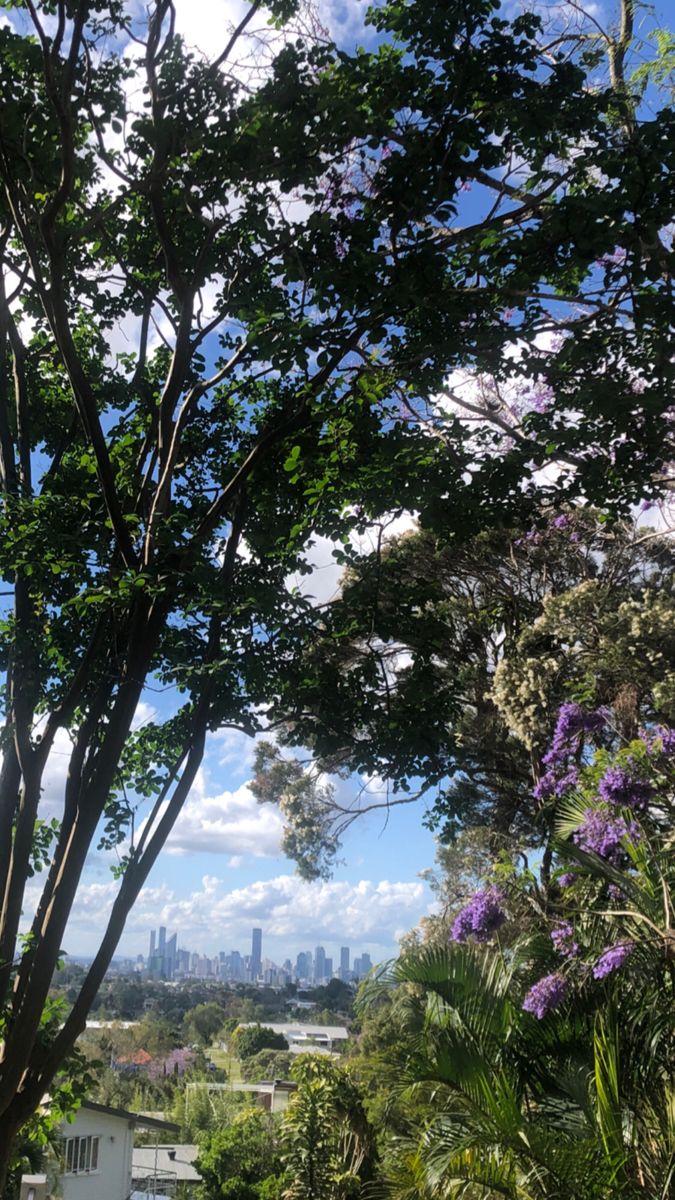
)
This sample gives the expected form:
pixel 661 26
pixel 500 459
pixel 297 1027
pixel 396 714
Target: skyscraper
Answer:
pixel 344 963
pixel 319 964
pixel 256 953
pixel 161 944
pixel 152 945
pixel 170 953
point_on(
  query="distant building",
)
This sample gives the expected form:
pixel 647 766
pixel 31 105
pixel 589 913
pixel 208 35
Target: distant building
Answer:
pixel 344 963
pixel 303 1038
pixel 256 953
pixel 301 966
pixel 328 971
pixel 319 964
pixel 362 966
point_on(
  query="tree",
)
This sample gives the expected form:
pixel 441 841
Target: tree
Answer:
pixel 235 1159
pixel 202 1023
pixel 437 654
pixel 328 1144
pixel 249 1040
pixel 274 355
pixel 266 1064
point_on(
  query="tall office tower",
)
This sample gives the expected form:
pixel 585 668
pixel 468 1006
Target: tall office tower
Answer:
pixel 319 964
pixel 256 952
pixel 151 955
pixel 329 969
pixel 366 964
pixel 301 966
pixel 161 945
pixel 344 962
pixel 170 952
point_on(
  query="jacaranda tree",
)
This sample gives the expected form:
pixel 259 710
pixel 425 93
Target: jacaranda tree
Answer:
pixel 227 299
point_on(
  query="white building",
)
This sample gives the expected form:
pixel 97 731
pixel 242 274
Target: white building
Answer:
pixel 303 1038
pixel 96 1152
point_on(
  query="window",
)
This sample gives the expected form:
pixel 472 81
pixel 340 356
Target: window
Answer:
pixel 81 1155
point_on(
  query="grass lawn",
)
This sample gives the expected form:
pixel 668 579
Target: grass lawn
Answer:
pixel 227 1063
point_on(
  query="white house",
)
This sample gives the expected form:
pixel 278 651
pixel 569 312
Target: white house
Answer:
pixel 303 1038
pixel 96 1152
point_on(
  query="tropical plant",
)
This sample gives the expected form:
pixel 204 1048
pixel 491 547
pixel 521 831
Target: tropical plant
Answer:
pixel 328 1143
pixel 547 1068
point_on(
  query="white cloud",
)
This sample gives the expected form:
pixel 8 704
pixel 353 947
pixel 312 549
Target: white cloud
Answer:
pixel 323 583
pixel 368 914
pixel 230 823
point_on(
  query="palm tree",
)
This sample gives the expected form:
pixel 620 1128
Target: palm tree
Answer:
pixel 567 1108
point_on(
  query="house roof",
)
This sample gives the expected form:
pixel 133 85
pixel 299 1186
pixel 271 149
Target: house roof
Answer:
pixel 298 1029
pixel 174 1159
pixel 136 1118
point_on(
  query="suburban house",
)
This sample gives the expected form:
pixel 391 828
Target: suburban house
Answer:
pixel 303 1038
pixel 96 1152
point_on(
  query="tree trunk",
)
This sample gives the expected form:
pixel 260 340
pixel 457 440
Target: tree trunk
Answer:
pixel 8 1132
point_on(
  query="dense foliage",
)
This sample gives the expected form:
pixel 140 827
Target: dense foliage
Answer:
pixel 545 1057
pixel 232 316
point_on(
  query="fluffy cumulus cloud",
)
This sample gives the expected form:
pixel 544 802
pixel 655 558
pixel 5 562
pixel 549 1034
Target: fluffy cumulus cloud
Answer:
pixel 231 823
pixel 366 915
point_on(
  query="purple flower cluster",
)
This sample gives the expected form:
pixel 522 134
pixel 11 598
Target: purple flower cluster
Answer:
pixel 563 940
pixel 573 720
pixel 552 784
pixel 545 995
pixel 612 959
pixel 603 834
pixel 659 739
pixel 624 788
pixel 567 879
pixel 480 918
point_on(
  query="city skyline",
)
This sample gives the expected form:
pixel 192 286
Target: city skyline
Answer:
pixel 169 961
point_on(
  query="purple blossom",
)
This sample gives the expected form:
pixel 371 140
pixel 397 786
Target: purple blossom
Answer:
pixel 622 787
pixel 552 784
pixel 541 398
pixel 563 940
pixel 545 995
pixel 573 720
pixel 603 834
pixel 562 521
pixel 617 257
pixel 567 879
pixel 612 959
pixel 480 917
pixel 660 734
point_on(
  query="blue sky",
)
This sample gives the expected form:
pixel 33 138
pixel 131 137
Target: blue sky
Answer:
pixel 222 870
